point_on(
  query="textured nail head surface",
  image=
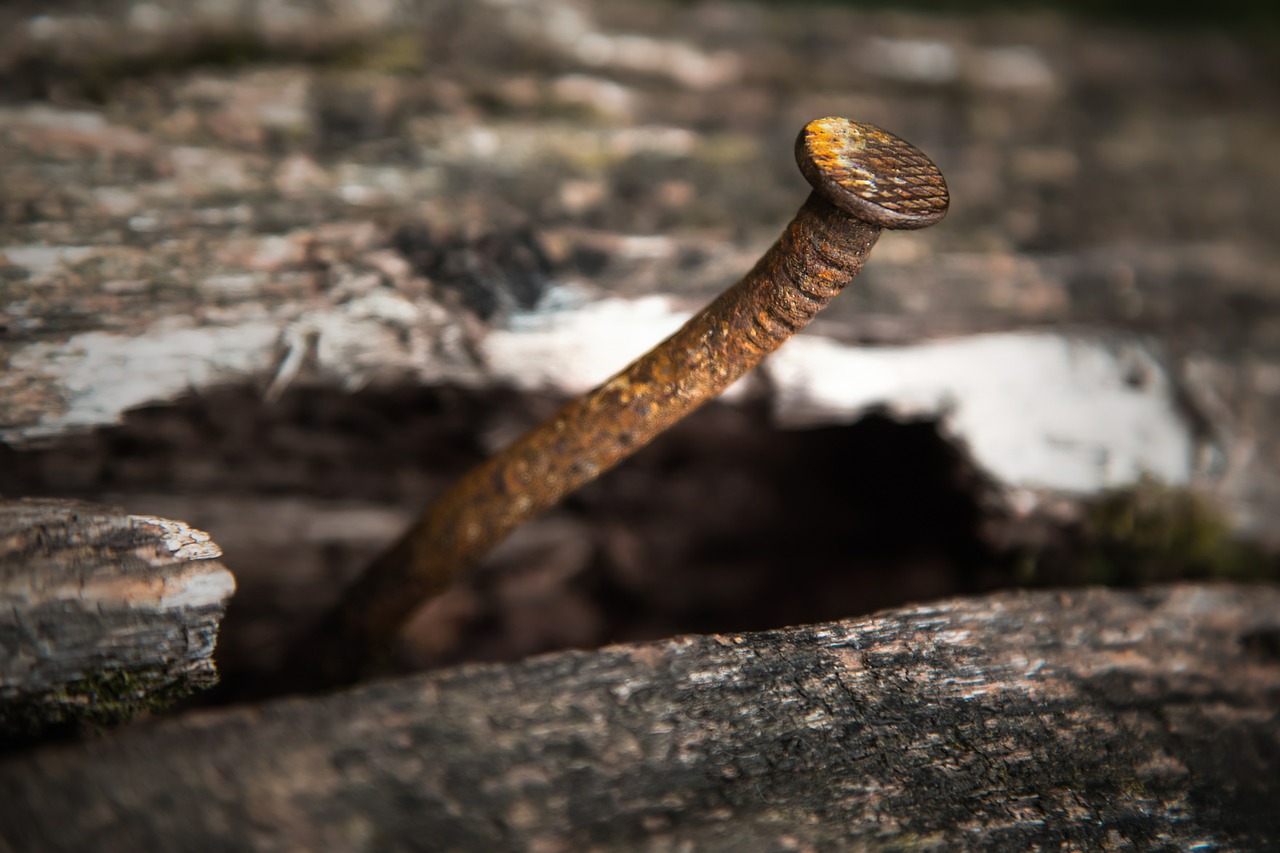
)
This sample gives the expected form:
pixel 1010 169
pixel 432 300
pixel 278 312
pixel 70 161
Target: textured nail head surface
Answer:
pixel 871 173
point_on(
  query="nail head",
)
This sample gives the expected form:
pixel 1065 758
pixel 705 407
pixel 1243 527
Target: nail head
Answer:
pixel 871 174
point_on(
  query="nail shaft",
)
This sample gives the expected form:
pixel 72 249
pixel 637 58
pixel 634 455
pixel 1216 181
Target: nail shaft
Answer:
pixel 864 180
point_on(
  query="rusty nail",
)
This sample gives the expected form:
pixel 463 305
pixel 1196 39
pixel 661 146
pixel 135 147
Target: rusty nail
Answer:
pixel 864 180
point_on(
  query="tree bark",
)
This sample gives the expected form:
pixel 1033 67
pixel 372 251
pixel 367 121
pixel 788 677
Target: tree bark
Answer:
pixel 1088 719
pixel 104 614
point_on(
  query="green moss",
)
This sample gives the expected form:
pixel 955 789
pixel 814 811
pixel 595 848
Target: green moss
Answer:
pixel 1155 532
pixel 102 699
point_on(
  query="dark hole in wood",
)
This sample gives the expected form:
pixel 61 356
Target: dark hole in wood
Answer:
pixel 726 523
pixel 1264 643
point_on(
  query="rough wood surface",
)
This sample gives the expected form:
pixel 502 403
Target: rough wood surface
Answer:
pixel 101 613
pixel 268 194
pixel 1053 720
pixel 279 264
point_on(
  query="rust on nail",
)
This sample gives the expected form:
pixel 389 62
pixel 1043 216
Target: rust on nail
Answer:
pixel 864 180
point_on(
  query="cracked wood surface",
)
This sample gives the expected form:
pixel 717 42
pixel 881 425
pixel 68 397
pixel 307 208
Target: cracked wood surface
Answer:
pixel 1086 719
pixel 102 614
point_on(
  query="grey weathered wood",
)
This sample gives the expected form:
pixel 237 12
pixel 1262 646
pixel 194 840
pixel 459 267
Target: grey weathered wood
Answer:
pixel 290 219
pixel 1052 720
pixel 102 613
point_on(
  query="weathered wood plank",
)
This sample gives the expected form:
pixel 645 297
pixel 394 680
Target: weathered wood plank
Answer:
pixel 1052 720
pixel 101 613
pixel 311 192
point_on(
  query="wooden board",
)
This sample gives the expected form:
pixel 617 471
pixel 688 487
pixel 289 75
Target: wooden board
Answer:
pixel 1052 720
pixel 102 613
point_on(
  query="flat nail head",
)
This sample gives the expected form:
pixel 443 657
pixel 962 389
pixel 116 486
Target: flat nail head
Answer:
pixel 871 174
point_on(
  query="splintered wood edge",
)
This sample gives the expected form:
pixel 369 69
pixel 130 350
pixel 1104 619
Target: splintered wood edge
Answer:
pixel 106 613
pixel 71 551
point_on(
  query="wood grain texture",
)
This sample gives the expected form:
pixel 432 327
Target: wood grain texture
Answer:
pixel 101 613
pixel 298 213
pixel 1077 720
